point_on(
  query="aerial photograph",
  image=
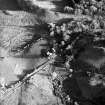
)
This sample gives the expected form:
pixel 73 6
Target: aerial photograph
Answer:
pixel 52 52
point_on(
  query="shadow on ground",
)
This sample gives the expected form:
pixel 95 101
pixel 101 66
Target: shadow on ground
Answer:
pixel 9 5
